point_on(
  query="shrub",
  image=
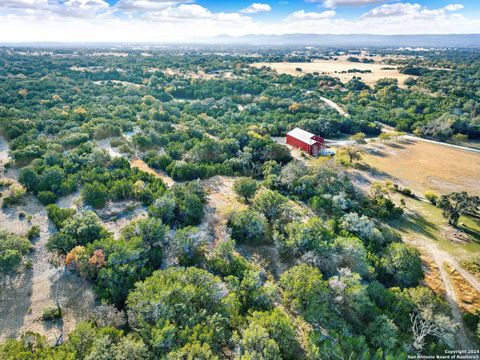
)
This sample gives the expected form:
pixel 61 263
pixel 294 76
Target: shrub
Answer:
pixel 407 192
pixel 15 194
pixel 50 314
pixel 59 215
pixel 33 233
pixel 95 194
pixel 46 197
pixel 157 161
pixel 432 197
pixel 248 226
pixel 12 249
pixel 460 137
pixel 245 188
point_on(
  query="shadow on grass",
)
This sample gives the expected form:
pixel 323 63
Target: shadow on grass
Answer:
pixel 474 235
pixel 407 141
pixel 373 171
pixel 376 152
pixel 416 223
pixel 395 145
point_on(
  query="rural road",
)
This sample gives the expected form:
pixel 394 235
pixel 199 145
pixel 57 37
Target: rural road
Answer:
pixel 334 106
pixel 466 148
pixel 339 109
pixel 388 128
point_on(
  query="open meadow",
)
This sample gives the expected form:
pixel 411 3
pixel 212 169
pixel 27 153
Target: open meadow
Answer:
pixel 339 67
pixel 423 166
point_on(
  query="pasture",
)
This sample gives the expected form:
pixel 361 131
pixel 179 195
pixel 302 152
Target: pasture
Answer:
pixel 338 67
pixel 423 166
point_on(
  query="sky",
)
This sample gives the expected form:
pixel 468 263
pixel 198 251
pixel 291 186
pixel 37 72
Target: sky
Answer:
pixel 159 21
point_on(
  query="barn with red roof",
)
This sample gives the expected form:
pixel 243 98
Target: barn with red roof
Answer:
pixel 306 141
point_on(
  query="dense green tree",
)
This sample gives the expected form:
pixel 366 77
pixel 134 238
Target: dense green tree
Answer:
pixel 383 334
pixel 12 249
pixel 189 246
pixel 95 194
pixel 248 226
pixel 270 204
pixel 403 264
pixel 306 293
pixel 195 306
pixel 270 335
pixel 456 204
pixel 83 228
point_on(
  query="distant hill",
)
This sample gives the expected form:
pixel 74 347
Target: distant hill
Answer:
pixel 356 40
pixel 291 40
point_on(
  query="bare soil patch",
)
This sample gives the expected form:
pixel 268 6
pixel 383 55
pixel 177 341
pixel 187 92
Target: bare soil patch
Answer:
pixel 26 294
pixel 142 165
pixel 221 201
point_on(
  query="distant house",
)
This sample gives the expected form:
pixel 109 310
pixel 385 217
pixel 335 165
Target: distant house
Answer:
pixel 308 142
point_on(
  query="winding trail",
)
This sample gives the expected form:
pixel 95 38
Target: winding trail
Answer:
pixel 334 106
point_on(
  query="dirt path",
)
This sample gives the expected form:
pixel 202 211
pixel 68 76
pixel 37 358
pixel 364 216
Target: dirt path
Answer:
pixel 411 137
pixel 441 258
pixel 139 163
pixel 334 106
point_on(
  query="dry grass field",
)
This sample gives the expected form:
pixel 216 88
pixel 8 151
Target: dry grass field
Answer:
pixel 469 298
pixel 423 166
pixel 336 67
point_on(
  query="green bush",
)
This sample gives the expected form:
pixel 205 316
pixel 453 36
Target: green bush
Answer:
pixel 46 197
pixel 33 233
pixel 248 226
pixel 432 197
pixel 51 314
pixel 95 194
pixel 58 215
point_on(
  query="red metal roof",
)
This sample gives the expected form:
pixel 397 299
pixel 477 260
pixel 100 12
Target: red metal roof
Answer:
pixel 303 136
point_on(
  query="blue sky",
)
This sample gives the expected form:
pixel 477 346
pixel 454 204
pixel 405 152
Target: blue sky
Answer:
pixel 180 20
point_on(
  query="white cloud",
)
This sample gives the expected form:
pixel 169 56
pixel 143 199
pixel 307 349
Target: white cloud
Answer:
pixel 185 11
pixel 68 8
pixel 453 7
pixel 256 8
pixel 194 13
pixel 302 15
pixel 335 3
pixel 399 9
pixel 171 21
pixel 407 10
pixel 143 5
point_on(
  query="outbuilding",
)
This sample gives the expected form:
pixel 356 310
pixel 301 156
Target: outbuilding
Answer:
pixel 308 142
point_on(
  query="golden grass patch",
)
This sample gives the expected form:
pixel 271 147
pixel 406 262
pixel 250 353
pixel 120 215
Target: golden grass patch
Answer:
pixel 424 166
pixel 432 278
pixel 467 297
pixel 339 68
